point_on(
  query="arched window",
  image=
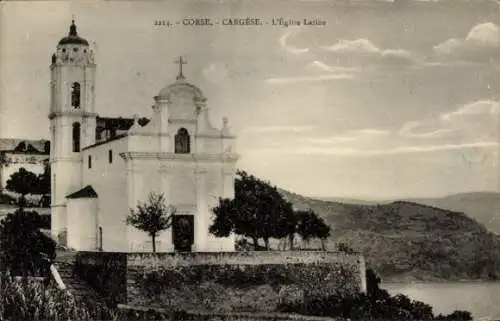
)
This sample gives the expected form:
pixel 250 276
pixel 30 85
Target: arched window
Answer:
pixel 75 95
pixel 76 137
pixel 182 143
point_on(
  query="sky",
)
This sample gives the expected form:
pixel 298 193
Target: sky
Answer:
pixel 389 99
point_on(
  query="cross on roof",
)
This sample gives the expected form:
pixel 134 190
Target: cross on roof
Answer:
pixel 181 62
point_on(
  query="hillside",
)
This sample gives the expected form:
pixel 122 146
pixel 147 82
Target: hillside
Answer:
pixel 484 207
pixel 405 240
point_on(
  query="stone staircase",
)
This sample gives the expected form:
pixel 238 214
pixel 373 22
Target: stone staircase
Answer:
pixel 64 264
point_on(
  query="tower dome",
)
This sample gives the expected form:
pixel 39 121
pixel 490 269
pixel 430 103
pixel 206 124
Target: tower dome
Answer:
pixel 181 87
pixel 73 38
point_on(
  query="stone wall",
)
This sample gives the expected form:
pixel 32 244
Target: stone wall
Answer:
pixel 105 272
pixel 221 282
pixel 239 281
pixel 140 313
pixel 245 258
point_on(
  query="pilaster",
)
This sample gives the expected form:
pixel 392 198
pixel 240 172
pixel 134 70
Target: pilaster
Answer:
pixel 166 235
pixel 228 173
pixel 131 173
pixel 130 198
pixel 201 218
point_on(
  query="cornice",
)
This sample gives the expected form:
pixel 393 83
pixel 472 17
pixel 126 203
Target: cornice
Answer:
pixel 83 114
pixel 215 135
pixel 201 157
pixel 182 121
pixel 60 65
pixel 76 159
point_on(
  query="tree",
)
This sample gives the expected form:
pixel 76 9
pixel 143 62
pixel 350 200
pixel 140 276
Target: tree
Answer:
pixel 372 283
pixel 257 211
pixel 43 181
pixel 152 216
pixel 22 244
pixel 23 182
pixel 310 225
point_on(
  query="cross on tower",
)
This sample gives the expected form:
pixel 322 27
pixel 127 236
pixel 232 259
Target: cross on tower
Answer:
pixel 181 62
pixel 72 27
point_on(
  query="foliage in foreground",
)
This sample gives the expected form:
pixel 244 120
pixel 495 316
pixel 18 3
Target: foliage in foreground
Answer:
pixel 23 247
pixel 32 299
pixel 375 304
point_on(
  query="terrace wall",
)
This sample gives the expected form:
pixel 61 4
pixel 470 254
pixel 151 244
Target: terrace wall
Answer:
pixel 223 282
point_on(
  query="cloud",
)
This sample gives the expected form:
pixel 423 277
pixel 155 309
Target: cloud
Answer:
pixel 327 140
pixel 480 45
pixel 429 128
pixel 321 66
pixel 448 47
pixel 485 34
pixel 283 41
pixel 415 129
pixel 320 78
pixel 354 152
pixel 277 129
pixel 372 132
pixel 472 125
pixel 347 136
pixel 365 51
pixel 359 46
pixel 477 108
pixel 475 120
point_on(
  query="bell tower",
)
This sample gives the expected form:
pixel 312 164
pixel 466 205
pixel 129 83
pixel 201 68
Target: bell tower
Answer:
pixel 72 120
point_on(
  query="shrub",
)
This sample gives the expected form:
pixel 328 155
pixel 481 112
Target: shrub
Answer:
pixel 375 304
pixel 456 316
pixel 44 222
pixel 23 247
pixel 7 199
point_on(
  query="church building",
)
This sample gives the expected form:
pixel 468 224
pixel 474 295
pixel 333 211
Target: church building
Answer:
pixel 103 167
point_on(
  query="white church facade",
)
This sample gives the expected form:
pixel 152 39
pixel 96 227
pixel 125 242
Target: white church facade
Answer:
pixel 103 167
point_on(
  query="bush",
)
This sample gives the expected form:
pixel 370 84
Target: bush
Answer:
pixel 343 247
pixel 7 199
pixel 44 222
pixel 375 304
pixel 456 316
pixel 24 249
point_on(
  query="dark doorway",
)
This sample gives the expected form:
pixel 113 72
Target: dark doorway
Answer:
pixel 183 232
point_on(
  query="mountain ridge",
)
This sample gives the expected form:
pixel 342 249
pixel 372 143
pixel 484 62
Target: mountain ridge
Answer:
pixel 406 240
pixel 483 206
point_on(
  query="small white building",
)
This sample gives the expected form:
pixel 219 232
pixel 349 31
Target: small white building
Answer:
pixel 102 167
pixel 15 154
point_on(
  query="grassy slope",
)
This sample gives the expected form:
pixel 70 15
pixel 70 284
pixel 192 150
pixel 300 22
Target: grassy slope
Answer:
pixel 484 207
pixel 406 240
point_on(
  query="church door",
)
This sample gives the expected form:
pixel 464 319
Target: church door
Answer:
pixel 183 232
